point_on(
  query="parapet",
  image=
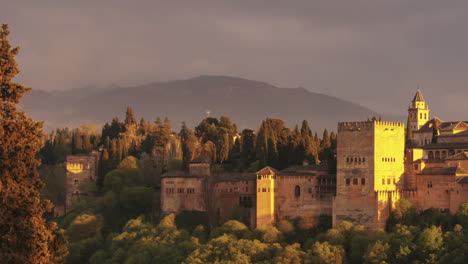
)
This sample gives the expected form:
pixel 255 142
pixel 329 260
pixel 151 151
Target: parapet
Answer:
pixel 389 123
pixel 358 125
pixel 77 167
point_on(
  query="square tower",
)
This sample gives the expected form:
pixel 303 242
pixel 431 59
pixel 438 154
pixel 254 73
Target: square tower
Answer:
pixel 370 165
pixel 266 197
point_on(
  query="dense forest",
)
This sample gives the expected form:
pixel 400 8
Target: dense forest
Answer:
pixel 121 221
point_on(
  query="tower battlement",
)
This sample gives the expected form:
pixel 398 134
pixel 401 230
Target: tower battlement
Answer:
pixel 358 125
pixel 77 167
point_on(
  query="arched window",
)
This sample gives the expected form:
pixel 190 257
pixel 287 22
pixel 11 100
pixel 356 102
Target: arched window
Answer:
pixel 297 191
pixel 437 154
pixel 430 155
pixel 420 116
pixel 425 116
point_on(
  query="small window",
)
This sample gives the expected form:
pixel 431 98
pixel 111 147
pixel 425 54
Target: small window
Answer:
pixel 310 190
pixel 76 181
pixel 416 166
pixel 363 159
pixel 348 181
pixel 389 181
pixel 297 191
pixel 383 181
pixel 363 181
pixel 355 181
pixel 263 189
pixel 259 177
pixel 429 184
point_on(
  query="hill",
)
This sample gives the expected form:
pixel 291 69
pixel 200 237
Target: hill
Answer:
pixel 246 102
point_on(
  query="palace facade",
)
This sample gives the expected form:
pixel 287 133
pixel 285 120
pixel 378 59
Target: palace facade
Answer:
pixel 378 163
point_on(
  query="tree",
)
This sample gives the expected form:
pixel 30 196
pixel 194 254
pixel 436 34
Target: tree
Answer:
pixel 324 253
pixel 25 236
pixel 377 253
pixel 129 118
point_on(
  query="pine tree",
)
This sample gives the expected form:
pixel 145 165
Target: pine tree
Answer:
pixel 25 237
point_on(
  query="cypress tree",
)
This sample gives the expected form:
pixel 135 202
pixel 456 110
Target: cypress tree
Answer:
pixel 129 118
pixel 25 237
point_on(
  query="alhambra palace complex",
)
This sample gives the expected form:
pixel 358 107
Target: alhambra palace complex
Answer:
pixel 376 166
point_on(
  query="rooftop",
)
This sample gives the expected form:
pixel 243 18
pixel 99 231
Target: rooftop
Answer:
pixel 418 97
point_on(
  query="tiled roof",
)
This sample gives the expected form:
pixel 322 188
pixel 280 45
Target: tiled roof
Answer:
pixel 455 125
pixel 443 171
pixel 418 97
pixel 439 171
pixel 455 145
pixel 178 174
pixel 463 179
pixel 429 126
pixel 234 176
pixel 459 156
pixel 267 171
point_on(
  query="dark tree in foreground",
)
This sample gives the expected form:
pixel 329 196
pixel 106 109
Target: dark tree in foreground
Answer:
pixel 25 237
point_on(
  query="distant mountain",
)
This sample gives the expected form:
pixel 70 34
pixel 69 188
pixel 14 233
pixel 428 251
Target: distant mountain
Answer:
pixel 246 102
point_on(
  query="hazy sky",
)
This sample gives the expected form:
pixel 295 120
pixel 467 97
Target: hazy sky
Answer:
pixel 372 52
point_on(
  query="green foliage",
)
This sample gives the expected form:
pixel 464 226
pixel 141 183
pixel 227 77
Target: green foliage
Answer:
pixel 191 220
pixel 129 162
pixel 55 180
pixel 231 227
pixel 377 253
pixel 324 253
pixel 25 237
pixel 84 226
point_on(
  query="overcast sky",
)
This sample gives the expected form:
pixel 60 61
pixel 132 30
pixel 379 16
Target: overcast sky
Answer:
pixel 372 52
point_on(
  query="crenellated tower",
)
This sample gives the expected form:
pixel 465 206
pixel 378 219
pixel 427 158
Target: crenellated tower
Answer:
pixel 370 165
pixel 418 112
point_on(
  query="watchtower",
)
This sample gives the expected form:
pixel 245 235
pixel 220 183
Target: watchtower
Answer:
pixel 370 164
pixel 266 197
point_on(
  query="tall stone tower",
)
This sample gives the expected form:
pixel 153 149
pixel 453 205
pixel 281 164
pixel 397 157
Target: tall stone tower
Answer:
pixel 266 197
pixel 418 112
pixel 80 169
pixel 370 165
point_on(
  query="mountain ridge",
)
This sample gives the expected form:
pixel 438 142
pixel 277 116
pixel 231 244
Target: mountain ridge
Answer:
pixel 247 102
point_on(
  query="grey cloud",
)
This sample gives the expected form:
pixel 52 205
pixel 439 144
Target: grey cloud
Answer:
pixel 370 52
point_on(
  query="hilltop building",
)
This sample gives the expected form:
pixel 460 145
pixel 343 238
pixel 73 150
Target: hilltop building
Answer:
pixel 377 164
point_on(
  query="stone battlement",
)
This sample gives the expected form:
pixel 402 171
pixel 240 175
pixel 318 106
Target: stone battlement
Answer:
pixel 77 167
pixel 357 125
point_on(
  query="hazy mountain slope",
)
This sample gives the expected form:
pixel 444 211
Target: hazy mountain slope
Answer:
pixel 246 102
